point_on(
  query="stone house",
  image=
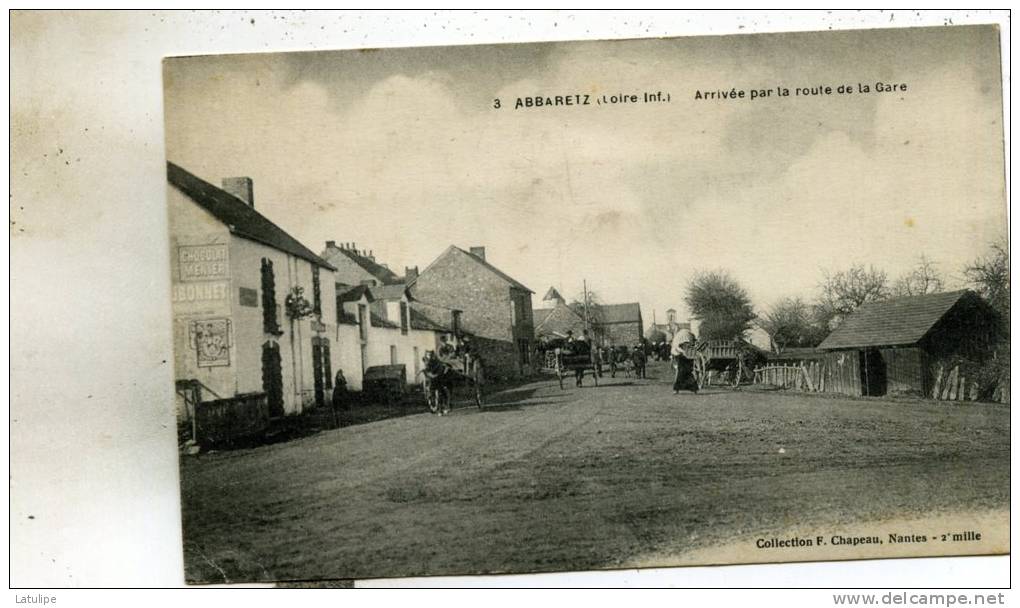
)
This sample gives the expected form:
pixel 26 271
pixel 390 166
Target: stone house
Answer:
pixel 490 305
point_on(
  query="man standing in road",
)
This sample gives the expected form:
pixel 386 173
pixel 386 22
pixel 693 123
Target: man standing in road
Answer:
pixel 640 361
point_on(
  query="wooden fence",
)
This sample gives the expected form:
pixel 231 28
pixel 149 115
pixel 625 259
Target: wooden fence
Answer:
pixel 836 372
pixel 952 384
pixel 820 377
pixel 232 418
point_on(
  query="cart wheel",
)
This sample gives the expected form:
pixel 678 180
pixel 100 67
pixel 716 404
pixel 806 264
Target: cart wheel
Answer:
pixel 430 401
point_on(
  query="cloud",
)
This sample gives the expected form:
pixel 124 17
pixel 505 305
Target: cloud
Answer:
pixel 407 158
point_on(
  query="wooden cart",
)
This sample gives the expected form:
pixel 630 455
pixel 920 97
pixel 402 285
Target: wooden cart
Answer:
pixel 439 381
pixel 569 362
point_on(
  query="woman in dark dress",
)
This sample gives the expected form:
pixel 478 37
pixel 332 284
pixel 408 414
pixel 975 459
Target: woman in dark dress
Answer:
pixel 683 342
pixel 339 400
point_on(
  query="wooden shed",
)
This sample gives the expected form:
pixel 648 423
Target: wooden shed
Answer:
pixel 905 345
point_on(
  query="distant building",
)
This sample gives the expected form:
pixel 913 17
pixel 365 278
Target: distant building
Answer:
pixel 357 266
pixel 494 307
pixel 666 331
pixel 620 324
pixel 616 324
pixel 555 321
pixel 233 272
pixel 396 333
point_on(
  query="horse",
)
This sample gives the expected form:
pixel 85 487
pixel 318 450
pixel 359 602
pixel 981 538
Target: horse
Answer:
pixel 438 383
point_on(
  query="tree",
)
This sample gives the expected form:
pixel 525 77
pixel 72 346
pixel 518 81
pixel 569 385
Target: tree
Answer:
pixel 845 291
pixel 924 278
pixel 989 276
pixel 791 323
pixel 721 304
pixel 595 313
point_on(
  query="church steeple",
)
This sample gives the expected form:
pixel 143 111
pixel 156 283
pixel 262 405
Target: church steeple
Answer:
pixel 553 296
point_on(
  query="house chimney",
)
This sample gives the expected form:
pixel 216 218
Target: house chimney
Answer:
pixel 330 244
pixel 242 188
pixel 410 273
pixel 478 252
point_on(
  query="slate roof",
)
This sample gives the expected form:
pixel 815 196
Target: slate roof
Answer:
pixel 385 275
pixel 388 292
pixel 378 321
pixel 620 313
pixel 900 321
pixel 420 321
pixel 241 218
pixel 353 294
pixel 539 315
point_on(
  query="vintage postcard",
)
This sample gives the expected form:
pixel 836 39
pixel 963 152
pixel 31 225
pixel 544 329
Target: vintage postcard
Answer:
pixel 590 305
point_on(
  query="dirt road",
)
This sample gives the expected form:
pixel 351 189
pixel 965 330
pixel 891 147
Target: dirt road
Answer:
pixel 544 479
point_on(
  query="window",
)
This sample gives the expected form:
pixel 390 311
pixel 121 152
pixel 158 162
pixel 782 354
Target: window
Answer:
pixel 455 322
pixel 393 354
pixel 417 362
pixel 525 351
pixel 270 323
pixel 404 321
pixel 316 291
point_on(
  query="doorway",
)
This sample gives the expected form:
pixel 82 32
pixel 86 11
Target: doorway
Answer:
pixel 272 378
pixel 873 373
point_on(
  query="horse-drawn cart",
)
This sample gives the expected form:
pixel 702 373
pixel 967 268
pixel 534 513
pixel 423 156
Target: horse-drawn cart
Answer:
pixel 730 360
pixel 441 374
pixel 576 361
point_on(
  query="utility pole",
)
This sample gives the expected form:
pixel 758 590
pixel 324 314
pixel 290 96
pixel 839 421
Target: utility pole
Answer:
pixel 587 324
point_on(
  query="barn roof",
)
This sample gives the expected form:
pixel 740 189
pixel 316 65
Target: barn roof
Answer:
pixel 238 216
pixel 895 322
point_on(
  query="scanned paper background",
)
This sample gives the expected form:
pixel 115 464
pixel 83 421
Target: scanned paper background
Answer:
pixel 94 465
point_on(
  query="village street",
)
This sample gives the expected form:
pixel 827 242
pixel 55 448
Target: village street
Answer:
pixel 543 479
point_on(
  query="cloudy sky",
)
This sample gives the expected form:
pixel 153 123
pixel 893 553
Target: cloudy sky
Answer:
pixel 401 151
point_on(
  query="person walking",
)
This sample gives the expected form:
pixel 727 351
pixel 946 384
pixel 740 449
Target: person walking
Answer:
pixel 681 352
